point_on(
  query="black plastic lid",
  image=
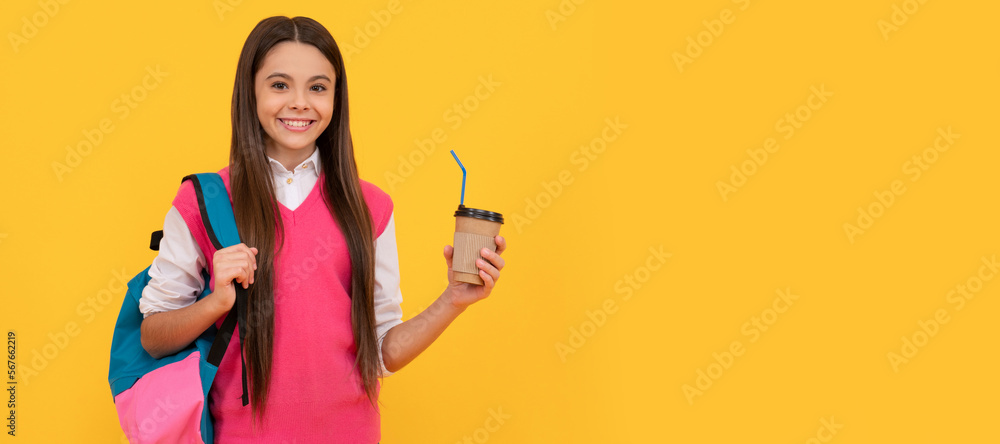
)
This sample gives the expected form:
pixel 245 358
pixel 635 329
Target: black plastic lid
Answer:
pixel 478 214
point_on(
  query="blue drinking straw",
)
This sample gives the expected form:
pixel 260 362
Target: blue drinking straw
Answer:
pixel 462 201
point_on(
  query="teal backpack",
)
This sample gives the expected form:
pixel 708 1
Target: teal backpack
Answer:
pixel 166 399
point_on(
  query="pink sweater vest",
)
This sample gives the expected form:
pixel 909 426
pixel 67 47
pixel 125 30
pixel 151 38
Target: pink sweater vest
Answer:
pixel 315 393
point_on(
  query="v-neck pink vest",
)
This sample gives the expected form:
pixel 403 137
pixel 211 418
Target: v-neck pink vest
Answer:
pixel 315 393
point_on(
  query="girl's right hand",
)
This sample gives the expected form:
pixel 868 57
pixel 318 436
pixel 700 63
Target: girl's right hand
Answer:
pixel 238 263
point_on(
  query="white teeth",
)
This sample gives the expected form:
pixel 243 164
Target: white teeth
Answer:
pixel 297 123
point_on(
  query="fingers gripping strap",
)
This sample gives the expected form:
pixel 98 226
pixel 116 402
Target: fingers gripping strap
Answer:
pixel 220 224
pixel 468 246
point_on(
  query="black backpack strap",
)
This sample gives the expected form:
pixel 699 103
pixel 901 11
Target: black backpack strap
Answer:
pixel 154 240
pixel 220 224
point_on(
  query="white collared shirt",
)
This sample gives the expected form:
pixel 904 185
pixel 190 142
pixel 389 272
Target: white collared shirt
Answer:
pixel 175 279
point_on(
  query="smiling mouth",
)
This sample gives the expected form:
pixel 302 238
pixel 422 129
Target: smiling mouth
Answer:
pixel 296 123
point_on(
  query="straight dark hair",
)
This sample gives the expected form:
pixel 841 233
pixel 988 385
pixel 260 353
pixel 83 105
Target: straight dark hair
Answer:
pixel 256 209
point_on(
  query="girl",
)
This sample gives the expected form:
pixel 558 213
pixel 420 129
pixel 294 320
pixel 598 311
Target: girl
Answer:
pixel 324 320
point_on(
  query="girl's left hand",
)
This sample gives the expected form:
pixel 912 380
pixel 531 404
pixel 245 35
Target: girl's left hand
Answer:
pixel 463 294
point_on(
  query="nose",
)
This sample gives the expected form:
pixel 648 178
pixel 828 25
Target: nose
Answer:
pixel 299 102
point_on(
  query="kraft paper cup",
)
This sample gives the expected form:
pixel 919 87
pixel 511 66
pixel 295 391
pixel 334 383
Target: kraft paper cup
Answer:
pixel 474 229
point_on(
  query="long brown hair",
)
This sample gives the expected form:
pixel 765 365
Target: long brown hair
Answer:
pixel 256 210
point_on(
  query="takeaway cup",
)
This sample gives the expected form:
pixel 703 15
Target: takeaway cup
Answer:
pixel 474 229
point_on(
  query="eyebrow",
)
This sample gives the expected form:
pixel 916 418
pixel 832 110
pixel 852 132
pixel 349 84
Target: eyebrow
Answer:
pixel 286 76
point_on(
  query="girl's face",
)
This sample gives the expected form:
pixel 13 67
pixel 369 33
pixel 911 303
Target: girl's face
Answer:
pixel 295 91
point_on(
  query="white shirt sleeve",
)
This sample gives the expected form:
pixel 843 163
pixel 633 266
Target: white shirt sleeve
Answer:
pixel 175 279
pixel 388 296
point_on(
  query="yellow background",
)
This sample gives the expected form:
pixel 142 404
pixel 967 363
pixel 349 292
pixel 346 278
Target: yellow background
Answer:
pixel 654 186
